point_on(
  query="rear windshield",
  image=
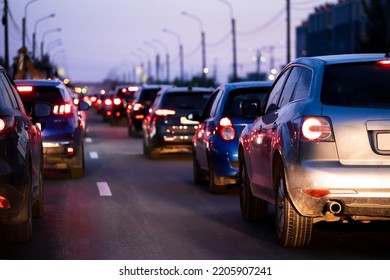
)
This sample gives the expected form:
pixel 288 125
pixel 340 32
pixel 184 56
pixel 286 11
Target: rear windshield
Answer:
pixel 361 85
pixel 186 100
pixel 233 106
pixel 149 95
pixel 51 95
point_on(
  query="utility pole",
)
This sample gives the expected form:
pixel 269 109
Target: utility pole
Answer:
pixel 288 32
pixel 6 49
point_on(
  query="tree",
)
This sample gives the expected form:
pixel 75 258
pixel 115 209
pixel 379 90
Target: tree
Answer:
pixel 376 40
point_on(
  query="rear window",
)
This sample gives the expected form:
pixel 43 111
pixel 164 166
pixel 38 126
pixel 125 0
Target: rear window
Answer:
pixel 361 85
pixel 51 95
pixel 186 100
pixel 148 95
pixel 233 105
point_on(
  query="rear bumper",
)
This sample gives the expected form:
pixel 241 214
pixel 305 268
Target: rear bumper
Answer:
pixel 60 154
pixel 360 191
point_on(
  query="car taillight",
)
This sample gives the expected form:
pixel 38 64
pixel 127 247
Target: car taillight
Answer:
pixel 22 89
pixel 107 102
pixel 165 112
pixel 317 129
pixel 117 101
pixel 384 63
pixel 226 129
pixel 137 106
pixel 63 109
pixel 7 124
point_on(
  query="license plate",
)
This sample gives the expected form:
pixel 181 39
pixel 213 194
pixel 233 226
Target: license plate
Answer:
pixel 383 141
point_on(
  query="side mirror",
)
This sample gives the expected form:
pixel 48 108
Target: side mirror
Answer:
pixel 83 106
pixel 251 107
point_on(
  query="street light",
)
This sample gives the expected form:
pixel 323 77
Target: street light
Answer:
pixel 149 67
pixel 157 60
pixel 180 52
pixel 43 37
pixel 234 78
pixel 203 42
pixel 24 22
pixel 166 55
pixel 35 30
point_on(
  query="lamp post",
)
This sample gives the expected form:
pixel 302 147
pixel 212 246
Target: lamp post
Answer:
pixel 139 70
pixel 203 42
pixel 234 77
pixel 149 66
pixel 180 52
pixel 166 55
pixel 43 37
pixel 24 19
pixel 35 31
pixel 157 60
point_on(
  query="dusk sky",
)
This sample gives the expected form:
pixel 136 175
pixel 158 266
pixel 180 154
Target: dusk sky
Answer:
pixel 107 38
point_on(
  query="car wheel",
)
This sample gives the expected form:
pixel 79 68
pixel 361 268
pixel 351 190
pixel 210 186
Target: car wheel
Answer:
pixel 145 147
pixel 153 153
pixel 20 228
pixel 252 208
pixel 37 209
pixel 213 187
pixel 199 174
pixel 293 229
pixel 77 172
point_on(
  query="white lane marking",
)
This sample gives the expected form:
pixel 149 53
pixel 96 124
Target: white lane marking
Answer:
pixel 93 155
pixel 104 189
pixel 88 139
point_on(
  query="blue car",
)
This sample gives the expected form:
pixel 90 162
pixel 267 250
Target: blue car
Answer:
pixel 62 130
pixel 215 143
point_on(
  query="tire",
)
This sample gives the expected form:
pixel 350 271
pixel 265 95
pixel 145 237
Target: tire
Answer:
pixel 214 188
pixel 77 172
pixel 38 206
pixel 153 153
pixel 293 229
pixel 199 175
pixel 19 229
pixel 252 208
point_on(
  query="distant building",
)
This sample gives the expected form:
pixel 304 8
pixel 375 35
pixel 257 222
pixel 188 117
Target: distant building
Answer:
pixel 331 29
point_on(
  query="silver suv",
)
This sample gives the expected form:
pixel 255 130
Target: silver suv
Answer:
pixel 320 150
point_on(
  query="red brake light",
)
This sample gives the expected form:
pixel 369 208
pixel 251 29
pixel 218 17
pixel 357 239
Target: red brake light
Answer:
pixel 4 203
pixel 165 112
pixel 226 129
pixel 7 124
pixel 137 106
pixel 63 109
pixel 117 101
pixel 24 88
pixel 384 63
pixel 108 102
pixel 316 129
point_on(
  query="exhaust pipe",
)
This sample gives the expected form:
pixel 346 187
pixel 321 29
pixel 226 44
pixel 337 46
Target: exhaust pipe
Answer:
pixel 335 207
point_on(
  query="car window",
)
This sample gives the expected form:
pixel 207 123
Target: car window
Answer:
pixel 51 95
pixel 363 85
pixel 186 100
pixel 148 95
pixel 215 105
pixel 233 104
pixel 289 87
pixel 276 92
pixel 4 90
pixel 302 88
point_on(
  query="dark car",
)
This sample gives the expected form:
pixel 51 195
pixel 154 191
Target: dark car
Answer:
pixel 21 188
pixel 139 108
pixel 119 100
pixel 215 151
pixel 62 130
pixel 320 150
pixel 166 128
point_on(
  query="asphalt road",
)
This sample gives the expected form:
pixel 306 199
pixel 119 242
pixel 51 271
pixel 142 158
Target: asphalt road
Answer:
pixel 128 207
